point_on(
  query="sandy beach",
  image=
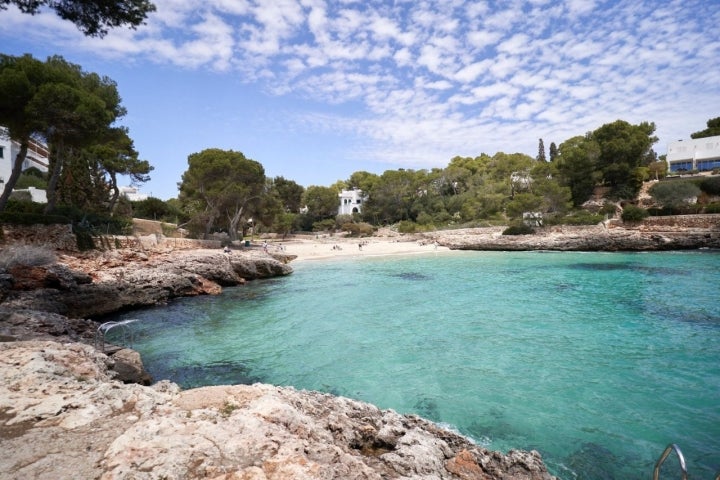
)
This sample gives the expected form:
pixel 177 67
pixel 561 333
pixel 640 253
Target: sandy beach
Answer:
pixel 326 246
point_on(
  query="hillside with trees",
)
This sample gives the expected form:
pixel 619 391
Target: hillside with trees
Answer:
pixel 581 180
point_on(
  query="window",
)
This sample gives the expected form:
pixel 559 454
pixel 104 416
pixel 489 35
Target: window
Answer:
pixel 2 152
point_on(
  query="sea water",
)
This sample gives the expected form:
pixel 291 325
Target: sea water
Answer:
pixel 596 360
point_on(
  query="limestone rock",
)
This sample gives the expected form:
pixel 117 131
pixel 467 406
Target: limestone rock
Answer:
pixel 128 367
pixel 113 281
pixel 63 416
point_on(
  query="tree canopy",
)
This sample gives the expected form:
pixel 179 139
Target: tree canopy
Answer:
pixel 73 111
pixel 713 129
pixel 92 17
pixel 221 189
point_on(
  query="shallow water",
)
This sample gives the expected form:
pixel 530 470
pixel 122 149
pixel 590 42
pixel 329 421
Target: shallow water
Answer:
pixel 597 360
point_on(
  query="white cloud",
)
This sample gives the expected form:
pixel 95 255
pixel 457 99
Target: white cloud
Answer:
pixel 426 78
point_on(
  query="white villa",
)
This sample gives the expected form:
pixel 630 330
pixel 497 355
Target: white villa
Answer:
pixel 350 201
pixel 697 154
pixel 133 194
pixel 37 156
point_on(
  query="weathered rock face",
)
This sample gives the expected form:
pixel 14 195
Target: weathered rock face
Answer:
pixel 63 416
pixel 643 237
pixel 112 282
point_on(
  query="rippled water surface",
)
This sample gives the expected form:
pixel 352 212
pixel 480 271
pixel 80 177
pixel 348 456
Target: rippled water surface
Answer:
pixel 598 361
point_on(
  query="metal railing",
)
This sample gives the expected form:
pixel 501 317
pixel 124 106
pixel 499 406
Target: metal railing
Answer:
pixel 104 328
pixel 661 460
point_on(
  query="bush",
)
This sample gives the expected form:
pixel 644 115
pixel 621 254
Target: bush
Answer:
pixel 631 213
pixel 324 225
pixel 359 229
pixel 663 212
pixel 26 255
pixel 608 209
pixel 580 217
pixel 407 226
pixel 674 193
pixel 712 207
pixel 710 185
pixel 17 218
pixel 520 229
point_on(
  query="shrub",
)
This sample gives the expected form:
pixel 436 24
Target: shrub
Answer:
pixel 674 193
pixel 712 207
pixel 17 218
pixel 663 212
pixel 608 209
pixel 711 185
pixel 407 226
pixel 520 229
pixel 359 229
pixel 26 255
pixel 580 217
pixel 324 225
pixel 631 213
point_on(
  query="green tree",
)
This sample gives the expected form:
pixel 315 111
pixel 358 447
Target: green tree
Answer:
pixel 290 193
pixel 392 196
pixel 362 180
pixel 713 129
pixel 117 156
pixel 525 203
pixel 20 79
pixel 73 109
pixel 322 202
pixel 541 152
pixel 151 208
pixel 92 17
pixel 623 147
pixel 222 185
pixel 553 151
pixel 577 167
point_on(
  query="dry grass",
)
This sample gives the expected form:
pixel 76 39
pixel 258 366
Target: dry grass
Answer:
pixel 26 255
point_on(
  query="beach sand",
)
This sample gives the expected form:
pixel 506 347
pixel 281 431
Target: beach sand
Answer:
pixel 325 246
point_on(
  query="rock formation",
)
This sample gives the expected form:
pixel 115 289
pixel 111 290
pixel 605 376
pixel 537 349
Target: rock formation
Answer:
pixel 64 416
pixel 611 237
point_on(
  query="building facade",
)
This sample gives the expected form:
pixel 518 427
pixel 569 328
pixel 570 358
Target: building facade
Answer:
pixel 350 202
pixel 700 154
pixel 37 156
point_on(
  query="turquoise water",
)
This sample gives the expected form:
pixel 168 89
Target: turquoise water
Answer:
pixel 597 360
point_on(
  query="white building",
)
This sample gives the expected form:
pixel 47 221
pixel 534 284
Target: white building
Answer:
pixel 37 156
pixel 133 194
pixel 700 154
pixel 350 201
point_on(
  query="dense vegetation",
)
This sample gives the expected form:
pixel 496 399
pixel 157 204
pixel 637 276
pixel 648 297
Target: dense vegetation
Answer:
pixel 76 114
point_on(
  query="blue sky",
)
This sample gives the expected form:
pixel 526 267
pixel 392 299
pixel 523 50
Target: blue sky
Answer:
pixel 316 90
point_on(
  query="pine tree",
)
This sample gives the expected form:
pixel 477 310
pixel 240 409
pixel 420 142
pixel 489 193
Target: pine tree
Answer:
pixel 553 151
pixel 541 152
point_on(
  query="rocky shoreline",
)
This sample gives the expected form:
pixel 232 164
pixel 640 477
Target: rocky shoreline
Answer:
pixel 689 232
pixel 67 410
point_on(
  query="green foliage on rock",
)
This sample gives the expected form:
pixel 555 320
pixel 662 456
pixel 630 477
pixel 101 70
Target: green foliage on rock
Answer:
pixel 712 207
pixel 519 229
pixel 361 229
pixel 674 193
pixel 711 185
pixel 632 213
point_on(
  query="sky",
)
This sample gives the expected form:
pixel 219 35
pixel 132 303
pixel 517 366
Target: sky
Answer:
pixel 315 90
